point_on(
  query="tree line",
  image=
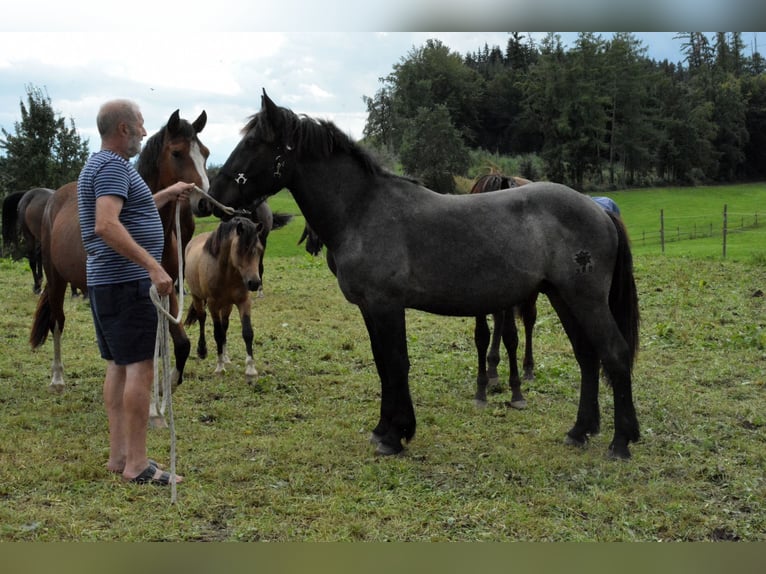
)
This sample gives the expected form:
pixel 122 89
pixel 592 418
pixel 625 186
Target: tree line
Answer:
pixel 600 115
pixel 45 149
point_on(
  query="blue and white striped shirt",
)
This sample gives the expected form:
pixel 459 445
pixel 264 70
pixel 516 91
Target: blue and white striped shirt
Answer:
pixel 107 173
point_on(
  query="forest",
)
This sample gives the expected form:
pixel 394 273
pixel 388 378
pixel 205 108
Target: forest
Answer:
pixel 600 115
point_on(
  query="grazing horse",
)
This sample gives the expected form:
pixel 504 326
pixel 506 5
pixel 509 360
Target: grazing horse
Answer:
pixel 22 221
pixel 504 323
pixel 460 255
pixel 222 268
pixel 173 154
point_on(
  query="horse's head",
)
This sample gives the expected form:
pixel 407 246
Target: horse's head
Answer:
pixel 245 249
pixel 175 153
pixel 259 166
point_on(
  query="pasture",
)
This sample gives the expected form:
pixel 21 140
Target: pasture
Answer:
pixel 288 458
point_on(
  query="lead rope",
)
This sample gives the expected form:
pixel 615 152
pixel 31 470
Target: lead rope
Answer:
pixel 162 342
pixel 162 349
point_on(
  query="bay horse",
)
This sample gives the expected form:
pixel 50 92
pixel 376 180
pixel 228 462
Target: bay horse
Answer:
pixel 174 153
pixel 22 222
pixel 458 255
pixel 222 269
pixel 504 322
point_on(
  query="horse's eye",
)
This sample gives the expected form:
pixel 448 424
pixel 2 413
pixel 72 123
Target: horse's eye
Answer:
pixel 176 154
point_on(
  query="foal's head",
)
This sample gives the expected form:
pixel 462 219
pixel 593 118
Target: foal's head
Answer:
pixel 238 240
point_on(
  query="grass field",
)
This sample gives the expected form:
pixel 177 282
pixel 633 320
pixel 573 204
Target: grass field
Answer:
pixel 287 459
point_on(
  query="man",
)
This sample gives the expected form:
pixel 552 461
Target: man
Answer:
pixel 123 237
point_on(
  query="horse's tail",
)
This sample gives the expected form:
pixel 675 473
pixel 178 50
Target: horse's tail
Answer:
pixel 42 323
pixel 10 219
pixel 280 220
pixel 623 296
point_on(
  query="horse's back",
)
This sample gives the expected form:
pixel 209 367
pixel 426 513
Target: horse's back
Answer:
pixel 33 205
pixel 195 257
pixel 61 238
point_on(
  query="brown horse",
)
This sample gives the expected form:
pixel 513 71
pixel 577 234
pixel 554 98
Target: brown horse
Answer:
pixel 22 222
pixel 173 154
pixel 222 269
pixel 504 323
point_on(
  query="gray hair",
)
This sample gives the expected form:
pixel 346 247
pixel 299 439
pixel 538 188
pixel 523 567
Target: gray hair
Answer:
pixel 114 112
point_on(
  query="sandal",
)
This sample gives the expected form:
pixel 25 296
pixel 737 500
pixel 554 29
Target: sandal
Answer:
pixel 147 477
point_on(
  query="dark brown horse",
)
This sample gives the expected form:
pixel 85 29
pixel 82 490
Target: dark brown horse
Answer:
pixel 504 323
pixel 222 269
pixel 173 154
pixel 22 220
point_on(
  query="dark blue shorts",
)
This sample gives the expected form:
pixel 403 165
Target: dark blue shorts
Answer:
pixel 125 320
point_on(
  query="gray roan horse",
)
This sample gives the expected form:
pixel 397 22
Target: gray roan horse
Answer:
pixel 462 255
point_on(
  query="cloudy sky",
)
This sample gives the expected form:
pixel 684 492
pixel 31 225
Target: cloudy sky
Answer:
pixel 218 56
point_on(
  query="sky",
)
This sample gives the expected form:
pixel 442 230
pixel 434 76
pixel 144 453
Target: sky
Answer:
pixel 219 56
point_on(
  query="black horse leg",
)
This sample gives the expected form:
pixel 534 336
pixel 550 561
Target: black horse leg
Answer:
pixel 481 340
pixel 220 328
pixel 493 357
pixel 202 342
pixel 588 420
pixel 511 342
pixel 528 312
pixel 247 337
pixel 181 342
pixel 388 339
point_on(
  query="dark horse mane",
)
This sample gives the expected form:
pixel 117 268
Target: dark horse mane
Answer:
pixel 316 138
pixel 148 162
pixel 245 228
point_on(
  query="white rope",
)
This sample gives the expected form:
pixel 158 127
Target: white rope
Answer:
pixel 162 342
pixel 162 349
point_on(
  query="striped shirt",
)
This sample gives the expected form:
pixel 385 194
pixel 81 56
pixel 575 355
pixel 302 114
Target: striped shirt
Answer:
pixel 107 173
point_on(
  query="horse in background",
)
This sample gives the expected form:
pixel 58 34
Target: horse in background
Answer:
pixel 504 323
pixel 173 154
pixel 222 269
pixel 22 222
pixel 267 221
pixel 458 255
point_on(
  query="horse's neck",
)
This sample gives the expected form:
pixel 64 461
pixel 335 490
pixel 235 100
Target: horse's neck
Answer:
pixel 331 194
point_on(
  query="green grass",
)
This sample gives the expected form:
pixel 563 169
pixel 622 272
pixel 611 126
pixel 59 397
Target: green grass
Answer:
pixel 693 211
pixel 287 459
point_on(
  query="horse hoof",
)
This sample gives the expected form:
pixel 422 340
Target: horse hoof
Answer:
pixel 387 450
pixel 579 443
pixel 157 422
pixel 618 453
pixel 520 404
pixel 56 388
pixel 480 403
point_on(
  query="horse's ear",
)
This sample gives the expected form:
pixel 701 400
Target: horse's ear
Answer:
pixel 174 121
pixel 271 109
pixel 199 123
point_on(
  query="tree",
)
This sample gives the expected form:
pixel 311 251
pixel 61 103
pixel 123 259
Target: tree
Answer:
pixel 433 150
pixel 45 151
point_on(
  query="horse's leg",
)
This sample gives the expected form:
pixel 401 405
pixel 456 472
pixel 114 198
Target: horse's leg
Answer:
pixel 588 420
pixel 247 337
pixel 481 340
pixel 181 343
pixel 493 357
pixel 529 317
pixel 36 265
pixel 511 342
pixel 388 338
pixel 220 328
